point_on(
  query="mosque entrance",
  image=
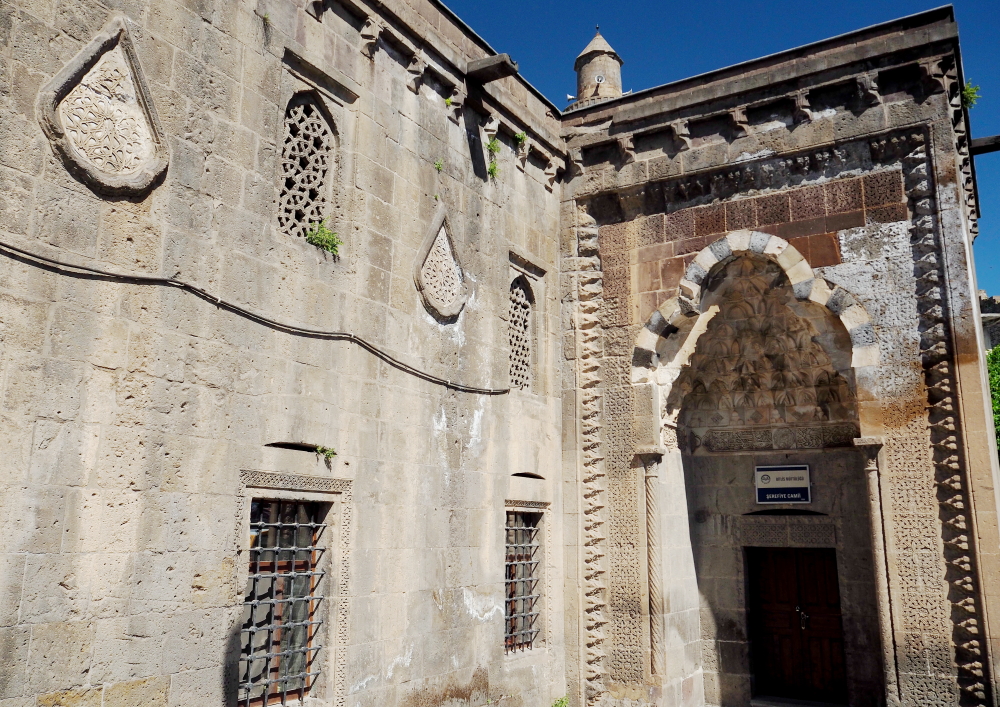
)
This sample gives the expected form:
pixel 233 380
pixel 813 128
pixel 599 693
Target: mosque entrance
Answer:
pixel 796 633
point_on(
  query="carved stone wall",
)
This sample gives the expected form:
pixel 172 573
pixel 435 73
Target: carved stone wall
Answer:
pixel 934 585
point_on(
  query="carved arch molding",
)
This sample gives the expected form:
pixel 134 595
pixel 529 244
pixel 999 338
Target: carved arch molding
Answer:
pixel 99 116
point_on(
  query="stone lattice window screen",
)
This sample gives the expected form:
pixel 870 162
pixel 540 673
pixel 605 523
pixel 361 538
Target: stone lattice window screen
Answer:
pixel 306 161
pixel 520 334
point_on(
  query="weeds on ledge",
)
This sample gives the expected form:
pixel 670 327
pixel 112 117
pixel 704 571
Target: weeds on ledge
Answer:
pixel 322 237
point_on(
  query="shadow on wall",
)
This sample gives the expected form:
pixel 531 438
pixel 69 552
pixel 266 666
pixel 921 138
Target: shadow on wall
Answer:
pixel 231 666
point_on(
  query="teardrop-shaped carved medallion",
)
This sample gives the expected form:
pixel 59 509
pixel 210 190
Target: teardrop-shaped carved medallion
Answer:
pixel 439 276
pixel 99 116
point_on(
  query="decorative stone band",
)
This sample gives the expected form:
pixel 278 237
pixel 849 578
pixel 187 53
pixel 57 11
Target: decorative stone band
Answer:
pixel 819 437
pixel 98 114
pixel 293 482
pixel 805 284
pixel 781 531
pixel 526 504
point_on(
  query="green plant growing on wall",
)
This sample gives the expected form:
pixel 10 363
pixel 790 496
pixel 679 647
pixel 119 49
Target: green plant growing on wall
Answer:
pixel 322 237
pixel 493 148
pixel 439 165
pixel 970 95
pixel 326 452
pixel 521 137
pixel 561 702
pixel 447 102
pixel 993 366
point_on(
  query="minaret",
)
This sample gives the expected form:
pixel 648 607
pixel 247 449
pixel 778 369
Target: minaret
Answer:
pixel 598 72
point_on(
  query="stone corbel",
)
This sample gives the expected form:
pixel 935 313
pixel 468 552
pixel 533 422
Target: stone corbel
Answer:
pixel 682 132
pixel 491 127
pixel 932 75
pixel 740 122
pixel 802 113
pixel 523 150
pixel 868 90
pixel 416 68
pixel 315 9
pixel 370 33
pixel 552 169
pixel 456 104
pixel 626 146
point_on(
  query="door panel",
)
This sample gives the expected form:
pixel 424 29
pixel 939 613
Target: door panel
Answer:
pixel 796 633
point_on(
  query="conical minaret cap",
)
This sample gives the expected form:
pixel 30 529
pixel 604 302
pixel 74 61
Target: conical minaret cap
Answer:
pixel 598 45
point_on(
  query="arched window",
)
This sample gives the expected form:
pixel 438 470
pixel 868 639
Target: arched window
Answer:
pixel 306 161
pixel 521 302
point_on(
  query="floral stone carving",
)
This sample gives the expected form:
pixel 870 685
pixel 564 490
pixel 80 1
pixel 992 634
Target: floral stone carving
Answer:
pixel 438 275
pixel 758 378
pixel 99 116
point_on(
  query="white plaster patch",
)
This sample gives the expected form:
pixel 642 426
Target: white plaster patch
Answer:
pixel 760 154
pixel 403 660
pixel 480 607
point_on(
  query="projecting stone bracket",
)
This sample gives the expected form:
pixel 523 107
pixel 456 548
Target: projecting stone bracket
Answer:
pixel 99 116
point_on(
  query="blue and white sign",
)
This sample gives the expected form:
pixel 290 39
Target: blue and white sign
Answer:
pixel 783 484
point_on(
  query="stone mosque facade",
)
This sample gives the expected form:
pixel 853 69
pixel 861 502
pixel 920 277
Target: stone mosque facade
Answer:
pixel 340 368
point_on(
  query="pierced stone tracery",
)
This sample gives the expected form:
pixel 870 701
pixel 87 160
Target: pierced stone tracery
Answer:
pixel 758 379
pixel 306 159
pixel 104 119
pixel 520 335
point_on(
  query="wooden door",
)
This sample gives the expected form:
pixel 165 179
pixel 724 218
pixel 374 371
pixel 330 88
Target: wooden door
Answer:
pixel 796 635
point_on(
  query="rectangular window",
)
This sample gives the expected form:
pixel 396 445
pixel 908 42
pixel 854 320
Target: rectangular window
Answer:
pixel 523 588
pixel 278 646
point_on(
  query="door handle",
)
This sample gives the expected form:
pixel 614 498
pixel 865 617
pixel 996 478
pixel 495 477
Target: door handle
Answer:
pixel 803 620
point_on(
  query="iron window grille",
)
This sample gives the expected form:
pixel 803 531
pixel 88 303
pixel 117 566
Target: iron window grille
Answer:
pixel 522 583
pixel 278 638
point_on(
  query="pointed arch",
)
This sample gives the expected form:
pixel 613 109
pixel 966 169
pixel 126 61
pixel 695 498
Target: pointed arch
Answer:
pixel 308 153
pixel 685 312
pixel 519 327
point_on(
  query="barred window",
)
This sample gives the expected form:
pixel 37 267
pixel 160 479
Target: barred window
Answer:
pixel 278 638
pixel 306 157
pixel 521 300
pixel 522 580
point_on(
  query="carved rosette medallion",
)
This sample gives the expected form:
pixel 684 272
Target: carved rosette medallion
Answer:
pixel 438 275
pixel 99 116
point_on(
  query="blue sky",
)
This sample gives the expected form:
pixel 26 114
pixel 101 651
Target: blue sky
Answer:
pixel 665 41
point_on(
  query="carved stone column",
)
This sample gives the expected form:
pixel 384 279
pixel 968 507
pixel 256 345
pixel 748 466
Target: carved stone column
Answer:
pixel 650 463
pixel 870 447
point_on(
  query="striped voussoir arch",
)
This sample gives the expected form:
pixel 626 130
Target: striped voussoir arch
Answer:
pixel 806 285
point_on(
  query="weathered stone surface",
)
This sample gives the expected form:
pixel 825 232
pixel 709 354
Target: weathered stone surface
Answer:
pixel 595 268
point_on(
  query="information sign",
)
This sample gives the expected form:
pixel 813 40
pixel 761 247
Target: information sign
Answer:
pixel 783 484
